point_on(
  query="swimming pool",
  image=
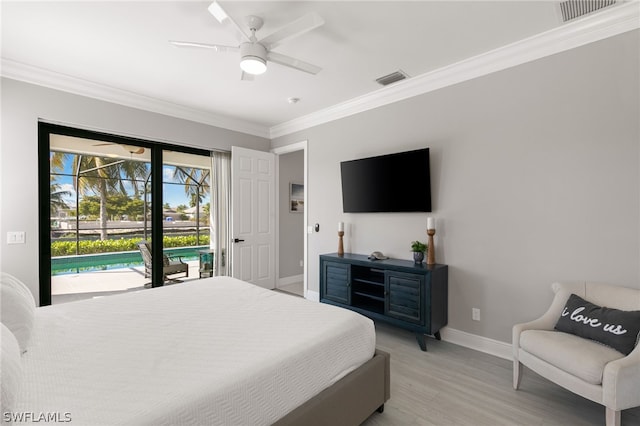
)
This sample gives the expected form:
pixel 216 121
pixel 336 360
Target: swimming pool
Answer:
pixel 105 261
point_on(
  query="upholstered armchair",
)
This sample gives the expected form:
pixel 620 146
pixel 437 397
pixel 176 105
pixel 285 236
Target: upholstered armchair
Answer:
pixel 583 366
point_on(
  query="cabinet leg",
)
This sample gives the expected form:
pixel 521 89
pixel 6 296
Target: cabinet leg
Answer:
pixel 437 335
pixel 422 341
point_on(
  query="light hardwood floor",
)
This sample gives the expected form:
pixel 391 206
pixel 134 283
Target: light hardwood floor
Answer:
pixel 453 385
pixel 295 288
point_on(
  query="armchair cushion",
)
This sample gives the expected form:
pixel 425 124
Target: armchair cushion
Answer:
pixel 580 357
pixel 612 327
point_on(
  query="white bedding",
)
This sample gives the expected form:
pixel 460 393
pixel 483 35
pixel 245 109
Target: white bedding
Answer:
pixel 212 351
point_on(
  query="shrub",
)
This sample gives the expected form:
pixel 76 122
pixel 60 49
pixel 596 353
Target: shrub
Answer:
pixel 68 248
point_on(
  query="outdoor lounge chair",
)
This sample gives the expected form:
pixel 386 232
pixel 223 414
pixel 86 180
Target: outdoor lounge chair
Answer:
pixel 170 266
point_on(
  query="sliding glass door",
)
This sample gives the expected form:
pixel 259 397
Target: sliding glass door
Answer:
pixel 106 224
pixel 186 208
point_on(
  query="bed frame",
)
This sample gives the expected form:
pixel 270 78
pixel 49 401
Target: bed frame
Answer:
pixel 350 401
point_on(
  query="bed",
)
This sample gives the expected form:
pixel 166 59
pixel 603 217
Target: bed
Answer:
pixel 216 351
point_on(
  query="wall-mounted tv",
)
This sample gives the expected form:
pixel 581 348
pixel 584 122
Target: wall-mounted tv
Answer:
pixel 397 182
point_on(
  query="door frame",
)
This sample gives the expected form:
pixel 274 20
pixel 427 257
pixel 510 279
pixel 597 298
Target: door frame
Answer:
pixel 297 146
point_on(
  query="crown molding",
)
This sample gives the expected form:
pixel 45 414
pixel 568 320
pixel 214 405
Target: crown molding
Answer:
pixel 608 23
pixel 53 80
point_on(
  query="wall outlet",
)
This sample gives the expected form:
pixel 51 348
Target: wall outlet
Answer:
pixel 475 314
pixel 301 263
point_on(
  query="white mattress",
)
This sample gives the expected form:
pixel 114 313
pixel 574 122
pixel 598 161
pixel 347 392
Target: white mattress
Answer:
pixel 213 351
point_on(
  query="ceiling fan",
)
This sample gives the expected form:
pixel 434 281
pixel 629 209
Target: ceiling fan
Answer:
pixel 255 53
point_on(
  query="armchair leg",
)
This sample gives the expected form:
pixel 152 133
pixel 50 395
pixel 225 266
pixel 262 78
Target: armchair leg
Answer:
pixel 612 417
pixel 516 374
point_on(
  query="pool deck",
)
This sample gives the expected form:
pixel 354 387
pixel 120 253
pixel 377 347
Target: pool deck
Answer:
pixel 69 287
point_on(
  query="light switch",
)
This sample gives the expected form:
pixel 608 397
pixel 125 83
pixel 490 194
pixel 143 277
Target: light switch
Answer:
pixel 15 237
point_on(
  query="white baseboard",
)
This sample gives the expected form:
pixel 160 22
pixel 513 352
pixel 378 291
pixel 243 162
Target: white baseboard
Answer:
pixel 289 280
pixel 314 296
pixel 478 343
pixel 472 341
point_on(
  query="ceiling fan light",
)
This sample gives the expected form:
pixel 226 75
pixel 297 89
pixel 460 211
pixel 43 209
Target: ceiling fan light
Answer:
pixel 253 65
pixel 216 10
pixel 253 58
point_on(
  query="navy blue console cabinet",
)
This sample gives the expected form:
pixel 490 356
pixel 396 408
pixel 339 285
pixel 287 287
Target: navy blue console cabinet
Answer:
pixel 398 292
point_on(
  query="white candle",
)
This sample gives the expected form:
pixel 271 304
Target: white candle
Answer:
pixel 340 226
pixel 431 223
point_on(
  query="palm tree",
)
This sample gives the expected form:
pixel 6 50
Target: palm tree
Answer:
pixel 57 161
pixel 135 172
pixel 56 197
pixel 55 193
pixel 196 184
pixel 101 176
pixel 96 175
pixel 193 180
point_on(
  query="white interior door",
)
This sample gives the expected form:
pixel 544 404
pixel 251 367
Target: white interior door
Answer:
pixel 253 216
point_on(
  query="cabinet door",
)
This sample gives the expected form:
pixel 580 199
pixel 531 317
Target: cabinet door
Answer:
pixel 336 283
pixel 404 296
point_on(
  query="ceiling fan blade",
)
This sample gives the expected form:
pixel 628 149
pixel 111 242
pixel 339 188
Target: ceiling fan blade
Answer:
pixel 133 149
pixel 245 76
pixel 294 29
pixel 222 16
pixel 290 62
pixel 216 47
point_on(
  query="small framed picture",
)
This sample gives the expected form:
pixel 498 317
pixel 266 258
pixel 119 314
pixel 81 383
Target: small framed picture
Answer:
pixel 296 197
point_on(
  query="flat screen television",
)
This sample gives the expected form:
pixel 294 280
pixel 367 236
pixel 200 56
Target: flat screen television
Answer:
pixel 397 182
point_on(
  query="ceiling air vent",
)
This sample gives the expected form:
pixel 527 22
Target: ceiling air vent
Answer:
pixel 572 9
pixel 392 78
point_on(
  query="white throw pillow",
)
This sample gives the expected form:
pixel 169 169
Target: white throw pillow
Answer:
pixel 10 371
pixel 18 309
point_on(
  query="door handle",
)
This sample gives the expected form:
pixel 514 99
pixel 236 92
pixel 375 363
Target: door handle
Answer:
pixel 237 240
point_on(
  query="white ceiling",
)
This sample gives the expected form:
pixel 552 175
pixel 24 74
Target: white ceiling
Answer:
pixel 124 45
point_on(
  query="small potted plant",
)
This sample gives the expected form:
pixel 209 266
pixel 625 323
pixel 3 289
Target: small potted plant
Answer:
pixel 418 250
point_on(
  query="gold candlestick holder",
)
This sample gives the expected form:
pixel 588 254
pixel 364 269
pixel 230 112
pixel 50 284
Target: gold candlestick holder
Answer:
pixel 431 250
pixel 340 243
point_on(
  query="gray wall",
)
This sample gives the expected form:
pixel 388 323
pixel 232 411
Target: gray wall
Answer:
pixel 291 224
pixel 23 105
pixel 535 178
